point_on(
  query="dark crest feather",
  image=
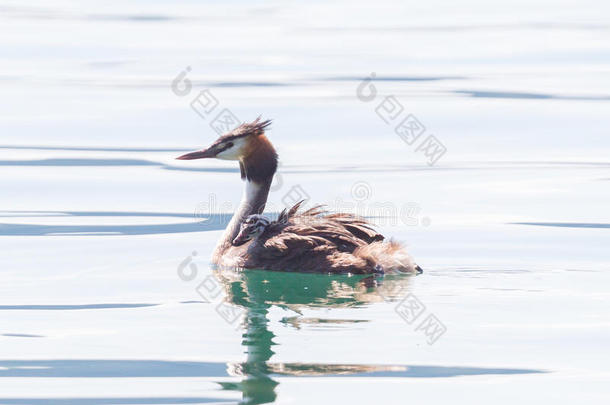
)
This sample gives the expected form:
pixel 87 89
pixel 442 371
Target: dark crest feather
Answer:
pixel 255 127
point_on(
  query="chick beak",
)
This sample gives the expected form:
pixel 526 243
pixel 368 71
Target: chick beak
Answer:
pixel 241 238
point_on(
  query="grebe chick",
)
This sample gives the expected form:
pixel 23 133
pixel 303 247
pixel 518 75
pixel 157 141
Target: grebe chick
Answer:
pixel 252 227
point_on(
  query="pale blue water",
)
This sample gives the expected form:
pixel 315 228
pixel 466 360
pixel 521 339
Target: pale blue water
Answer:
pixel 98 221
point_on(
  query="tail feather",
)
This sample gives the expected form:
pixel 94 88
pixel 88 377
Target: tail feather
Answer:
pixel 388 257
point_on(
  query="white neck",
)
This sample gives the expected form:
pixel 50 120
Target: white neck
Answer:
pixel 253 202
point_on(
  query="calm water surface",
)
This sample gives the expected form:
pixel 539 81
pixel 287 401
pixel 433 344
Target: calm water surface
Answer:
pixel 107 296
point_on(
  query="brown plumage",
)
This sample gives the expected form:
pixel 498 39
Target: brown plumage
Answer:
pixel 313 240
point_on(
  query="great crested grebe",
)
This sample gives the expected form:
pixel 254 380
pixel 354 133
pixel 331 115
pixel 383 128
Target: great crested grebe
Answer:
pixel 308 241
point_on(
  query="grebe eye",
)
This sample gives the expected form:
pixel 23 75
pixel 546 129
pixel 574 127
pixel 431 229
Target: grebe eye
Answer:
pixel 229 145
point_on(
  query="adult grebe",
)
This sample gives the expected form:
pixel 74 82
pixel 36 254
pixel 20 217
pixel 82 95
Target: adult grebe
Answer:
pixel 309 241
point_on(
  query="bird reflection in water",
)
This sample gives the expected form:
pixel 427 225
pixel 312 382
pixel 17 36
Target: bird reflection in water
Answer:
pixel 257 291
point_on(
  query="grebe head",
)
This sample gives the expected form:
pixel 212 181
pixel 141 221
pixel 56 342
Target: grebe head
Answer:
pixel 252 227
pixel 235 145
pixel 248 144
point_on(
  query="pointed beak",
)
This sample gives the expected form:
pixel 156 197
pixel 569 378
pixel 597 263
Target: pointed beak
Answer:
pixel 201 154
pixel 241 238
